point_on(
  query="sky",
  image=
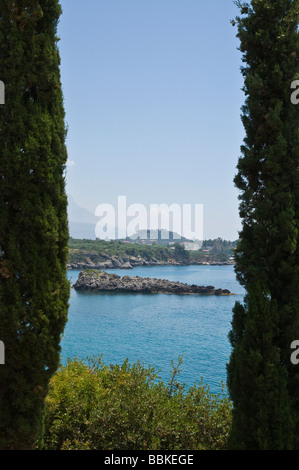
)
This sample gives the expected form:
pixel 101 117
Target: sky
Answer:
pixel 153 95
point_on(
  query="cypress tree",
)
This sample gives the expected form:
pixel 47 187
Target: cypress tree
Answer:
pixel 34 290
pixel 262 381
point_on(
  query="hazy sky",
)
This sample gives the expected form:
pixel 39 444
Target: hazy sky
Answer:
pixel 153 94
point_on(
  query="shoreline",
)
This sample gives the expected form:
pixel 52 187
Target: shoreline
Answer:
pixel 130 265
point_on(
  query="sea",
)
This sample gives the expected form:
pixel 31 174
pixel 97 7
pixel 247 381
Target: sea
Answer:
pixel 157 329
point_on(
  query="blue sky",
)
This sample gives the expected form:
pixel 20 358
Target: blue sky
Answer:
pixel 152 92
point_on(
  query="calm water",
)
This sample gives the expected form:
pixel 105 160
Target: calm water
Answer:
pixel 157 328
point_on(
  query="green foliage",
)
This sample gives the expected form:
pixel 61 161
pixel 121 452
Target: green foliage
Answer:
pixel 263 383
pixel 127 407
pixel 99 250
pixel 220 246
pixel 33 225
pixel 180 254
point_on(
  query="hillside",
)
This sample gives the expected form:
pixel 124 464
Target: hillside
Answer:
pixel 100 254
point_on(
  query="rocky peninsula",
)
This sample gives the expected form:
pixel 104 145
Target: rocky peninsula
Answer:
pixel 129 262
pixel 101 281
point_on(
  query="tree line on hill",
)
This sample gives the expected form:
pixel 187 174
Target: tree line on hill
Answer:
pixel 212 250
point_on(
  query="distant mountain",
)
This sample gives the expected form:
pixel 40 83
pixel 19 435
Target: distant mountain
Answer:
pixel 160 236
pixel 157 234
pixel 82 222
pixel 80 214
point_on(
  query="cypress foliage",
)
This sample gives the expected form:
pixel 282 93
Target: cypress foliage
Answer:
pixel 262 381
pixel 34 290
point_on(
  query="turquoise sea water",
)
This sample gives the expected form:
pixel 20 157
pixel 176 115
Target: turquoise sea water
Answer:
pixel 157 328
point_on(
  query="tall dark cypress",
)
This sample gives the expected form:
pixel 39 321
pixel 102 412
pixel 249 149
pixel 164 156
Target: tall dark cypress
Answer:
pixel 262 380
pixel 34 290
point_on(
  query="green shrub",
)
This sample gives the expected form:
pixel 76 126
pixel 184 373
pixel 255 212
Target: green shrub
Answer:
pixel 98 407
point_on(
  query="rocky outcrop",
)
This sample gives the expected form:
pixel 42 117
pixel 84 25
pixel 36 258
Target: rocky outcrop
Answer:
pixel 100 281
pixel 129 262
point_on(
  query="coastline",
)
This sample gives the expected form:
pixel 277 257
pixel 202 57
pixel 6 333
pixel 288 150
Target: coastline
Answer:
pixel 130 262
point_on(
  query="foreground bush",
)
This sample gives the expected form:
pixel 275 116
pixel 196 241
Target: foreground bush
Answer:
pixel 98 407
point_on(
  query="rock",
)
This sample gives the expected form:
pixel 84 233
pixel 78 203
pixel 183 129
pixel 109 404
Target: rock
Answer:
pixel 100 281
pixel 126 265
